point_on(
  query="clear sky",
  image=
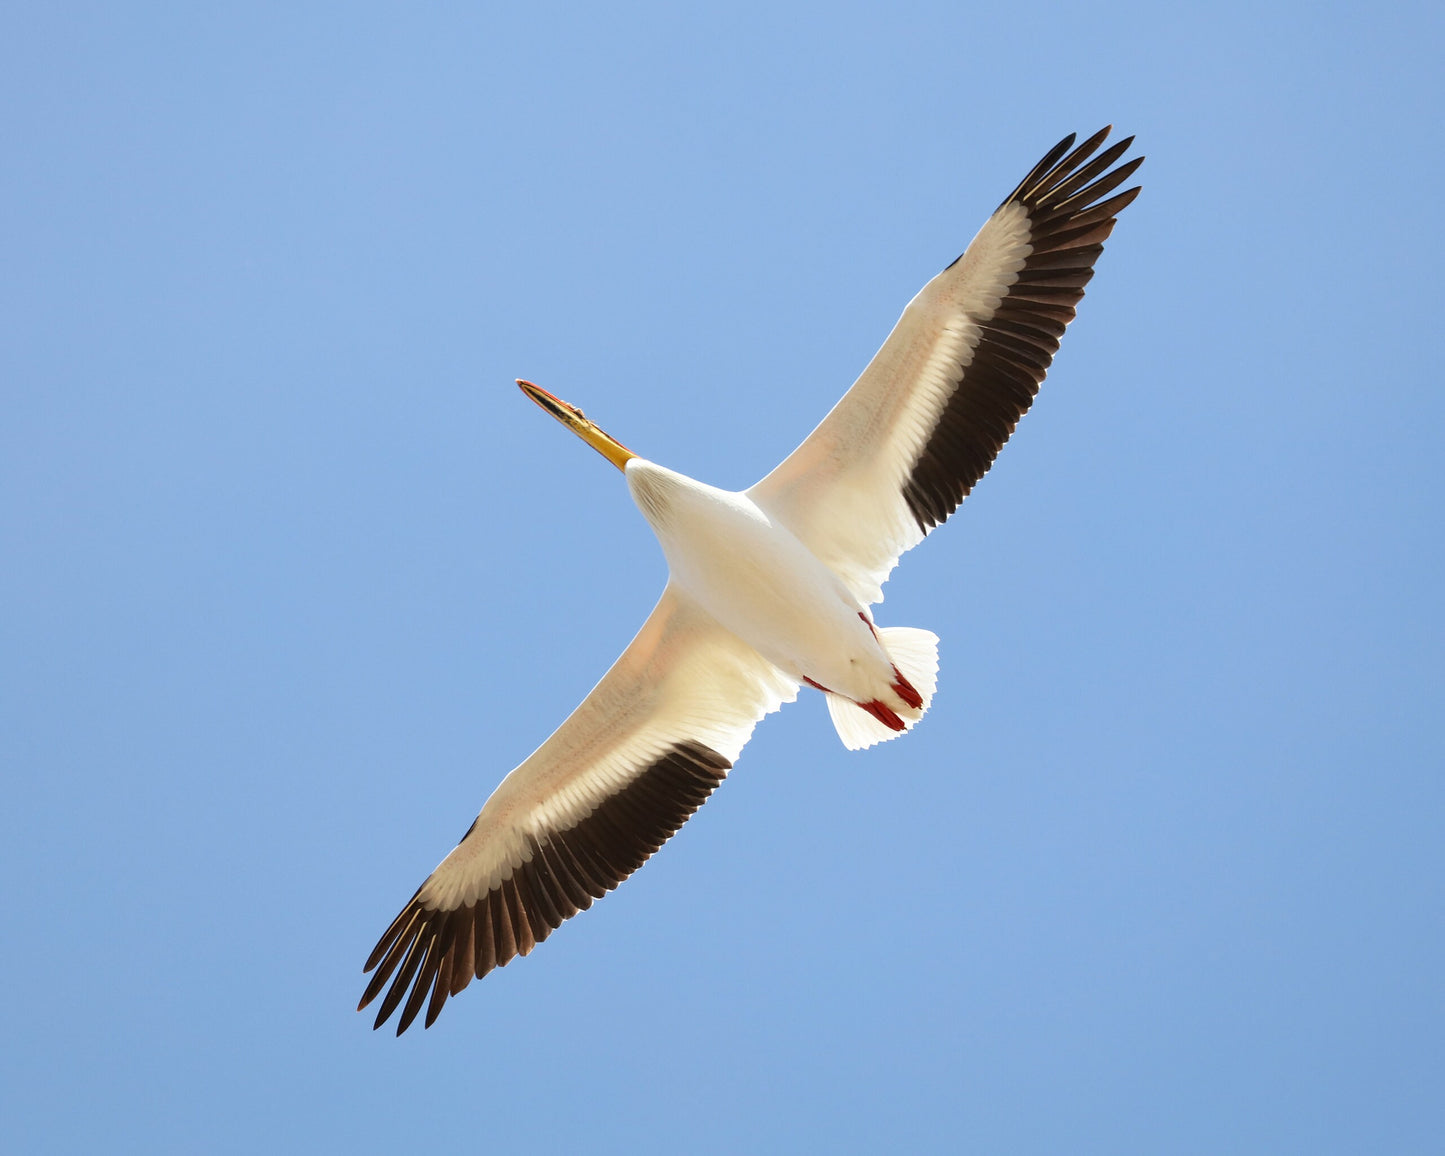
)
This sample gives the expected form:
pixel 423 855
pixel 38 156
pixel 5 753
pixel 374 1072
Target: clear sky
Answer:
pixel 292 575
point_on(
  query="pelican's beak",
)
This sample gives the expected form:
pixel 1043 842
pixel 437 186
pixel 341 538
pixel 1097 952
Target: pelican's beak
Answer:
pixel 572 417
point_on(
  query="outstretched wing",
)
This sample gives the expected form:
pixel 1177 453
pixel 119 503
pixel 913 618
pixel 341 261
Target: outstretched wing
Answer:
pixel 644 750
pixel 907 442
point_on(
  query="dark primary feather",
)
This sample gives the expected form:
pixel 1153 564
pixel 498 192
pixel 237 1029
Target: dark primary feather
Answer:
pixel 436 953
pixel 1068 224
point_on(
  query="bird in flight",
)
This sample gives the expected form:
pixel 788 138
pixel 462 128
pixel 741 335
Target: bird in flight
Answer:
pixel 768 590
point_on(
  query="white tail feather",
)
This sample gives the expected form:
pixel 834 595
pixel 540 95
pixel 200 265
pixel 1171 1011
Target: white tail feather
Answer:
pixel 915 653
pixel 855 726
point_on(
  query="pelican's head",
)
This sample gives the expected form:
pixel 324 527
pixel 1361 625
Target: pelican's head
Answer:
pixel 573 418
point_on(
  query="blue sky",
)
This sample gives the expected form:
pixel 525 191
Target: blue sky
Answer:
pixel 293 575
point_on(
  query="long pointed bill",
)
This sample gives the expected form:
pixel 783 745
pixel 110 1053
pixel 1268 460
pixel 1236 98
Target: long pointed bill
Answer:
pixel 572 417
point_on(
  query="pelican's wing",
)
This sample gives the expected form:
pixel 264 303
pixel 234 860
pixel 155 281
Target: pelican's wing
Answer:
pixel 612 784
pixel 924 422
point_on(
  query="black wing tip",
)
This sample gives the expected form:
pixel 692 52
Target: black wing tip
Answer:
pixel 1126 198
pixel 1059 164
pixel 423 950
pixel 1070 214
pixel 1045 163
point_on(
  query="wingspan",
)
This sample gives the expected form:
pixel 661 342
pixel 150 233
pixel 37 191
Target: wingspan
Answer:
pixel 644 750
pixel 906 444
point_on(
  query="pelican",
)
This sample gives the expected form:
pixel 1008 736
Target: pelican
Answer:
pixel 768 590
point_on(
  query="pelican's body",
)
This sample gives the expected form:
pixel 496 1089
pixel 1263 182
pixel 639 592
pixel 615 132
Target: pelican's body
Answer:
pixel 750 573
pixel 768 591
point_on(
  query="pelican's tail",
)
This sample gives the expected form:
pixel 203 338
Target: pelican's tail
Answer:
pixel 915 660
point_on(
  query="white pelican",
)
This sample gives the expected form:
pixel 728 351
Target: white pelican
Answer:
pixel 767 590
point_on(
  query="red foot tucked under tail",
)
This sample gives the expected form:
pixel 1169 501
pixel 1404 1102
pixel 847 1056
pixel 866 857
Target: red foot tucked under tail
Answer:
pixel 905 690
pixel 884 715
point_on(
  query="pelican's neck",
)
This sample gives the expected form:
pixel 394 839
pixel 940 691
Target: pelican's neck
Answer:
pixel 655 489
